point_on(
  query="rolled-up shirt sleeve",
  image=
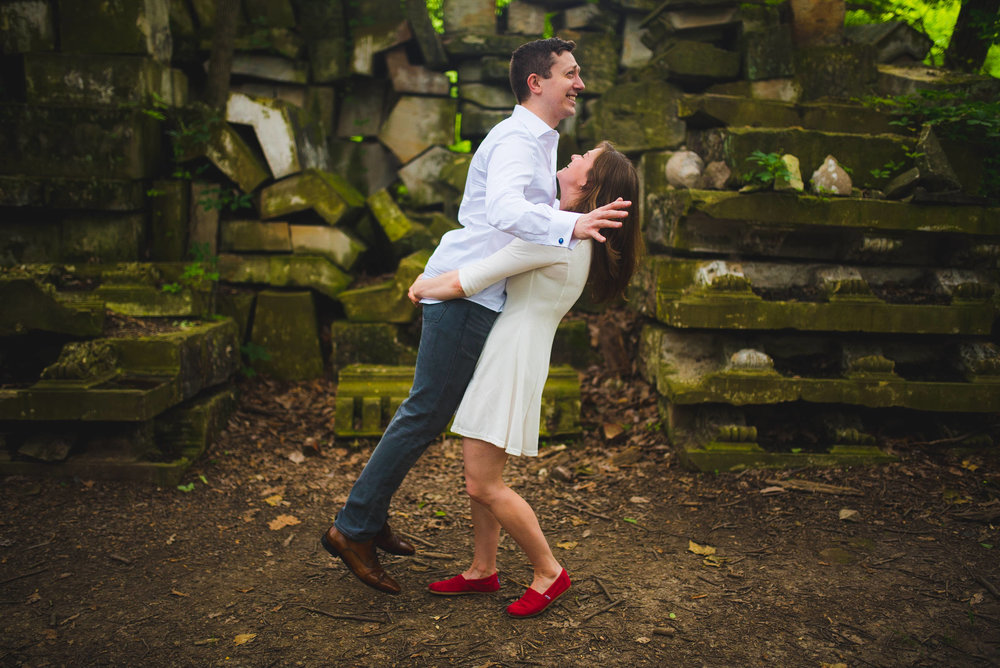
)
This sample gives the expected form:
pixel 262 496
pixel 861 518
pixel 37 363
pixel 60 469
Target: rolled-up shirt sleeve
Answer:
pixel 509 179
pixel 515 258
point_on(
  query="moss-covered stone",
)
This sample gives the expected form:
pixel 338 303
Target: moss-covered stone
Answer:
pixel 694 63
pixel 253 235
pixel 281 131
pixel 768 54
pixel 326 193
pixel 425 177
pixel 284 325
pixel 332 243
pixel 186 432
pixel 97 238
pixel 477 122
pixel 234 158
pixel 668 289
pixel 368 396
pixel 95 79
pixel 836 72
pixel 29 306
pixel 640 116
pixel 572 345
pixel 107 142
pixel 691 369
pixel 487 96
pixel 170 204
pixel 741 111
pixel 386 301
pixel 98 26
pixel 598 56
pixel 293 271
pixel 724 221
pixel 72 193
pixel 417 123
pixel 28 27
pixel 147 301
pixel 368 343
pixel 390 217
pixel 462 46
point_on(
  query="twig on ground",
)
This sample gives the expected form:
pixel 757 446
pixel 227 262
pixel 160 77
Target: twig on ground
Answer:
pixel 602 610
pixel 23 575
pixel 416 539
pixel 810 486
pixel 588 512
pixel 983 581
pixel 604 589
pixel 333 615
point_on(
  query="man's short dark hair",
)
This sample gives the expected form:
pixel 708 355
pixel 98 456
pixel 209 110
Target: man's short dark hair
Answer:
pixel 534 58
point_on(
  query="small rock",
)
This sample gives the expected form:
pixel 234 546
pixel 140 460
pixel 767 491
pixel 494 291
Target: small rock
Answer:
pixel 831 179
pixel 716 176
pixel 794 180
pixel 562 473
pixel 684 169
pixel 849 515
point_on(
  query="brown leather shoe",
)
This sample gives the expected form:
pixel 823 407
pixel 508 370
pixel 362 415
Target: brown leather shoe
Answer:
pixel 386 540
pixel 361 559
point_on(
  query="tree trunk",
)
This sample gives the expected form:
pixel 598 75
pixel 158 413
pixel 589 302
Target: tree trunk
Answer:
pixel 970 40
pixel 220 63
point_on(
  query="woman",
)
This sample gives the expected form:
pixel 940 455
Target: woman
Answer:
pixel 499 414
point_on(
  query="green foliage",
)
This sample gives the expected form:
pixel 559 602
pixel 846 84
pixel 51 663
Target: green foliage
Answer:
pixel 771 167
pixel 202 271
pixel 956 116
pixel 253 352
pixel 221 198
pixel 934 18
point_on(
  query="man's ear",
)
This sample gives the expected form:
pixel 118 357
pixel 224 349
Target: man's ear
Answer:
pixel 534 83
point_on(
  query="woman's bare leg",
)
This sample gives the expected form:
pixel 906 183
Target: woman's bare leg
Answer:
pixel 484 483
pixel 485 538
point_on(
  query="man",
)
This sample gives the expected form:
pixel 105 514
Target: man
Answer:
pixel 510 192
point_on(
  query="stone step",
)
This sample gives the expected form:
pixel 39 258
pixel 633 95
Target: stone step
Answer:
pixel 98 79
pixel 293 271
pixel 718 294
pixel 725 438
pixel 127 379
pixel 713 110
pixel 31 307
pixel 85 194
pixel 107 142
pixel 785 225
pixel 741 368
pixel 154 451
pixel 368 396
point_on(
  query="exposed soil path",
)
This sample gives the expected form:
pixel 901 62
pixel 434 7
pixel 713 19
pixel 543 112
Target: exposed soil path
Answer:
pixel 231 573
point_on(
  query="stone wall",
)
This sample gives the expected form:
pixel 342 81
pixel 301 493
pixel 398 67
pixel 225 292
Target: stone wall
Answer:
pixel 340 158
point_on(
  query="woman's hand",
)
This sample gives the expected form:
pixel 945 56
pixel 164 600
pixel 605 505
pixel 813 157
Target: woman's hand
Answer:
pixel 589 225
pixel 412 293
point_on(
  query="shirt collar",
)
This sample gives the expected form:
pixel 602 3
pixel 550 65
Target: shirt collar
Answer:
pixel 535 125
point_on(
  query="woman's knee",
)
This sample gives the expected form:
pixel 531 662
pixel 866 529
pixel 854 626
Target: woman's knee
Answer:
pixel 483 491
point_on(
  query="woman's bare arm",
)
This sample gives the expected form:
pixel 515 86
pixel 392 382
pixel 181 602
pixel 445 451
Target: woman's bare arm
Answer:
pixel 444 286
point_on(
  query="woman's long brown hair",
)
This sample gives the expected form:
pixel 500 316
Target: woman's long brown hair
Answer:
pixel 614 261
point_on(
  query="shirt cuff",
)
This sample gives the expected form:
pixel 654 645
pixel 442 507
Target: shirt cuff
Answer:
pixel 561 231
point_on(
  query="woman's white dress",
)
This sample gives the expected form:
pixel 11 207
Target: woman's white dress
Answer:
pixel 502 404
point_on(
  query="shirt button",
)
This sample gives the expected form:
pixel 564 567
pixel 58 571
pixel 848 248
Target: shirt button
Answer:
pixel 560 240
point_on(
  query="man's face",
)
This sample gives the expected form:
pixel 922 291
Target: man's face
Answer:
pixel 559 91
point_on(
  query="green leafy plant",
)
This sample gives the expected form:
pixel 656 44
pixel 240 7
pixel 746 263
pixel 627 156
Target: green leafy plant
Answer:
pixel 253 353
pixel 955 116
pixel 219 199
pixel 197 274
pixel 770 168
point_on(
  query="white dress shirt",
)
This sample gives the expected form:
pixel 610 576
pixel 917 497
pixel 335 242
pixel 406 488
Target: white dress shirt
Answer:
pixel 510 192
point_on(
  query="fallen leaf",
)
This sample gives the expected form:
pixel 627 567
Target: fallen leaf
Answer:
pixel 643 640
pixel 273 500
pixel 282 521
pixel 567 545
pixel 773 490
pixel 244 638
pixel 296 457
pixel 703 550
pixel 612 429
pixel 638 499
pixel 849 515
pixel 179 593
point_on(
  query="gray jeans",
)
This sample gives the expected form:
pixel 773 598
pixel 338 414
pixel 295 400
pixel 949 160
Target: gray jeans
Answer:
pixel 451 339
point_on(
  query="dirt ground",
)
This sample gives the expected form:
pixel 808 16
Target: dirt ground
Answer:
pixel 228 570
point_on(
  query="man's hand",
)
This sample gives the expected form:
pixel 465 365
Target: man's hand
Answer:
pixel 589 225
pixel 411 294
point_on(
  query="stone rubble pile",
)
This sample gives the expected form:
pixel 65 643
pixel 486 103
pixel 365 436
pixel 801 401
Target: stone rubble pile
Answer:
pixel 316 195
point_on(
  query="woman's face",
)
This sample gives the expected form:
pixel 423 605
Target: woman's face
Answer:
pixel 573 176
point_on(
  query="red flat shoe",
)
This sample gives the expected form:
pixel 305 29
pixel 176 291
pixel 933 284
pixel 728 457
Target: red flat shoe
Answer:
pixel 459 585
pixel 533 603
